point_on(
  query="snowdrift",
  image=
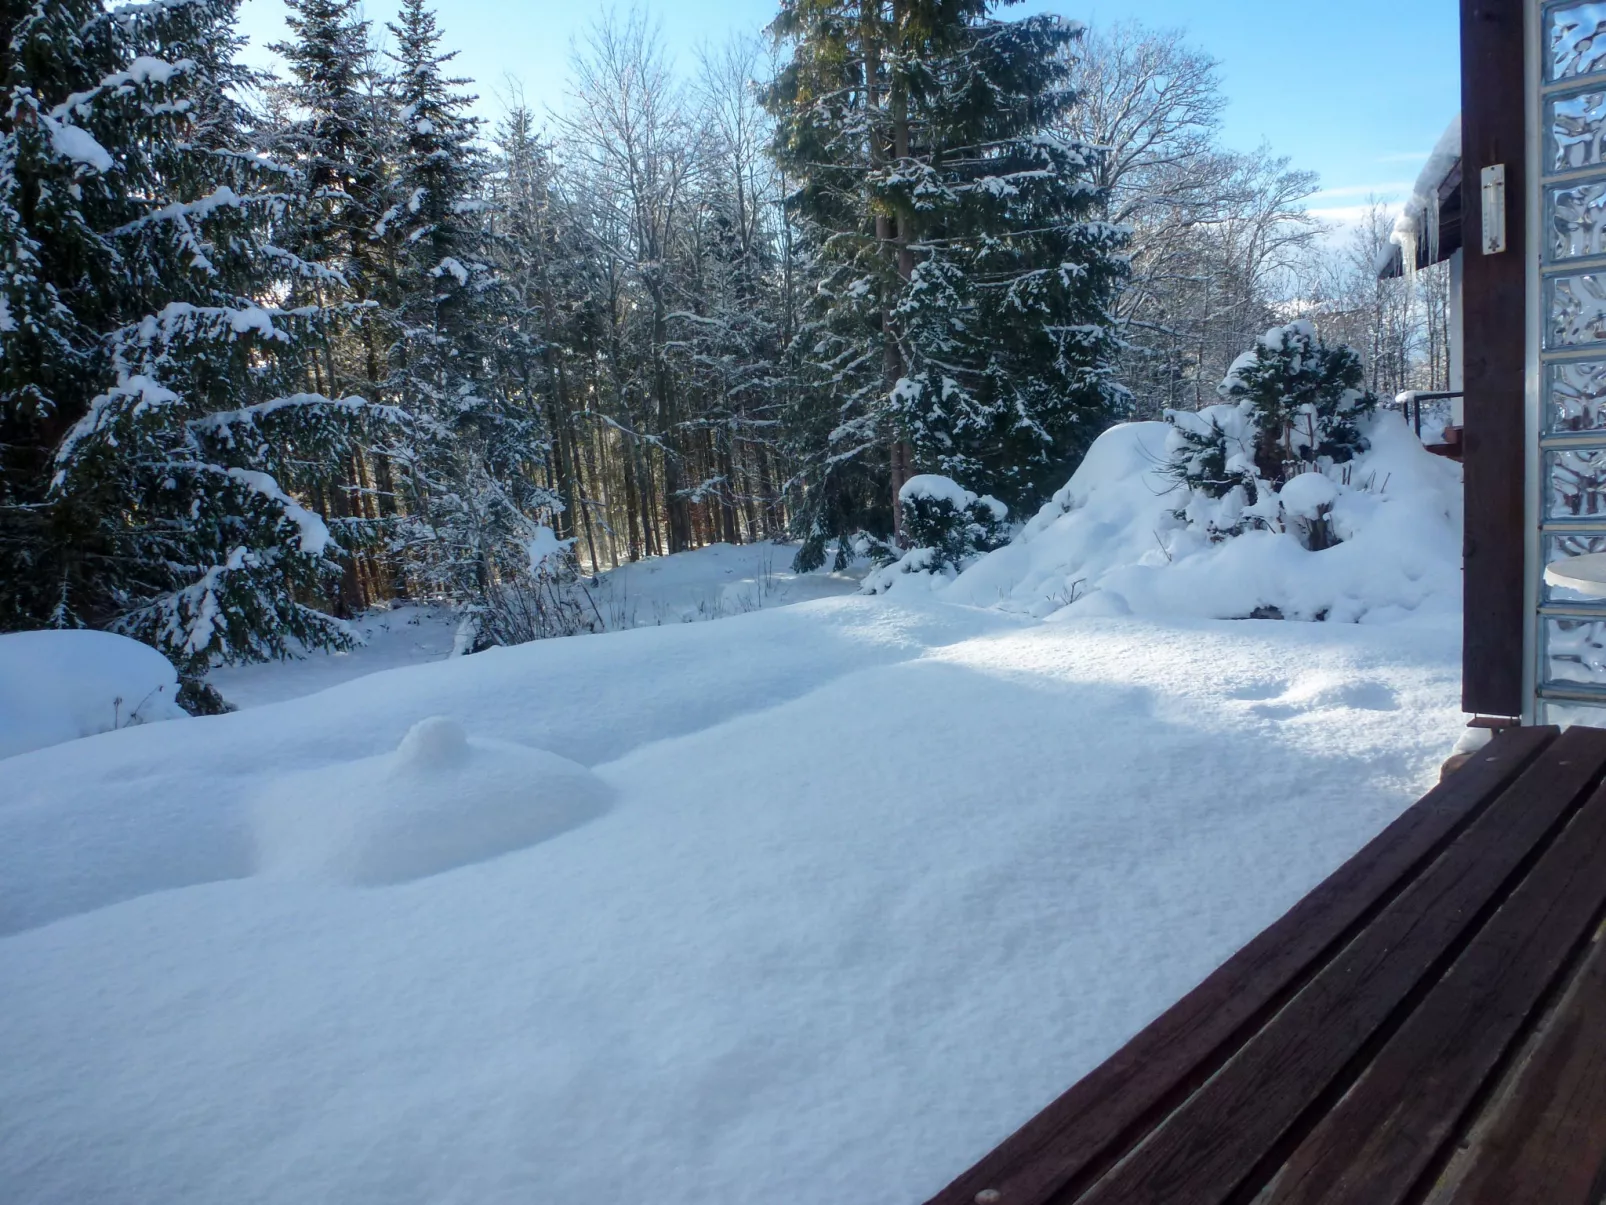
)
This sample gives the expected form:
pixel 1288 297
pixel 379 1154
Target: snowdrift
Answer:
pixel 438 802
pixel 1110 542
pixel 57 686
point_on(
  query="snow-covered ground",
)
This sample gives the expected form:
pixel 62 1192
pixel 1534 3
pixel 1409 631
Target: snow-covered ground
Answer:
pixel 811 904
pixel 389 639
pixel 714 583
pixel 711 583
pixel 816 903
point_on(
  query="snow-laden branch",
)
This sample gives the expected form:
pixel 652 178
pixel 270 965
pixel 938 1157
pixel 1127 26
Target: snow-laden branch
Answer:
pixel 148 391
pixel 143 70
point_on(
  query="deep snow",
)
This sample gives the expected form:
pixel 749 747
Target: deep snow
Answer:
pixel 388 639
pixel 826 900
pixel 1111 543
pixel 813 904
pixel 61 685
pixel 715 582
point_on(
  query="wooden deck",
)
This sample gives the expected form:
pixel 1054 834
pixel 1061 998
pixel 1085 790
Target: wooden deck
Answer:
pixel 1428 1025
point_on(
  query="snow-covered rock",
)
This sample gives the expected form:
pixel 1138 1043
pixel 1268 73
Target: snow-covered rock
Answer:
pixel 60 685
pixel 1110 542
pixel 438 802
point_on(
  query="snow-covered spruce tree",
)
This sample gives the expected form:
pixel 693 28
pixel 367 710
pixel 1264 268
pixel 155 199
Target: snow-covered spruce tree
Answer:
pixel 941 515
pixel 947 527
pixel 964 321
pixel 338 138
pixel 477 505
pixel 542 319
pixel 335 121
pixel 1307 398
pixel 1294 409
pixel 155 419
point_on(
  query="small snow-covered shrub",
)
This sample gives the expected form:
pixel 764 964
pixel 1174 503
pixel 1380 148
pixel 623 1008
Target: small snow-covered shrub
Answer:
pixel 1210 454
pixel 534 602
pixel 946 526
pixel 940 514
pixel 1294 408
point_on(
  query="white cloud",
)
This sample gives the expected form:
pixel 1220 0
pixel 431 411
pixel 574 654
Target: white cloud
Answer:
pixel 1342 220
pixel 1383 189
pixel 1347 213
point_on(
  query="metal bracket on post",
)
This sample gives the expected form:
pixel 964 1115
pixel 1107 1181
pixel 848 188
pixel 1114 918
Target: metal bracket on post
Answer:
pixel 1494 208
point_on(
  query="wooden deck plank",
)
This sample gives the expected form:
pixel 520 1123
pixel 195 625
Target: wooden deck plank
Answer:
pixel 1547 1143
pixel 1394 1126
pixel 1098 1119
pixel 1230 1135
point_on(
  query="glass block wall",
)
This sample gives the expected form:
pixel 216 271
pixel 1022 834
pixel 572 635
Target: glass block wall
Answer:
pixel 1570 641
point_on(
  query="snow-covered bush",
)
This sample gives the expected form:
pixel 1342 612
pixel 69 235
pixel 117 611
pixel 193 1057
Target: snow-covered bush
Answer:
pixel 60 685
pixel 1112 541
pixel 1294 408
pixel 1308 399
pixel 946 526
pixel 940 514
pixel 1210 454
pixel 531 601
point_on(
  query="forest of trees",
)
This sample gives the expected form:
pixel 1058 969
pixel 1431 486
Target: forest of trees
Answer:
pixel 277 349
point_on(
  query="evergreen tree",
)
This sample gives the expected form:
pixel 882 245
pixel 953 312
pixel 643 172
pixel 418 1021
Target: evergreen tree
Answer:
pixel 1292 405
pixel 154 424
pixel 966 280
pixel 335 139
pixel 544 320
pixel 1306 399
pixel 337 125
pixel 477 502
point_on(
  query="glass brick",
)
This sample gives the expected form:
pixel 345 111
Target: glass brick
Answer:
pixel 1575 310
pixel 1575 483
pixel 1575 38
pixel 1576 221
pixel 1570 715
pixel 1575 651
pixel 1575 131
pixel 1560 546
pixel 1576 397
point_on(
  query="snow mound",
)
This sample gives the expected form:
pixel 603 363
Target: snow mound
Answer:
pixel 438 802
pixel 1308 494
pixel 1110 543
pixel 57 686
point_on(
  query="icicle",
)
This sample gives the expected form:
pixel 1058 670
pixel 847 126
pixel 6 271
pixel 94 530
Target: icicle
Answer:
pixel 1408 236
pixel 1430 218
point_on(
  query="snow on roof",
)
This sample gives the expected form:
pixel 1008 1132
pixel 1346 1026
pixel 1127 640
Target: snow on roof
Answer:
pixel 1420 217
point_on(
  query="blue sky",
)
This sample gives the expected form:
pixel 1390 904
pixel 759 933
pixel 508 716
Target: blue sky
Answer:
pixel 1358 91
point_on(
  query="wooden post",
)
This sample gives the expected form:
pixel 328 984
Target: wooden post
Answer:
pixel 1494 317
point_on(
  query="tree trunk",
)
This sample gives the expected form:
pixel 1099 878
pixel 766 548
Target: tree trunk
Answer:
pixel 902 457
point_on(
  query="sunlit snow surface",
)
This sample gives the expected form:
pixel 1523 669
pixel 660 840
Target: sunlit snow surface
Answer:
pixel 833 897
pixel 711 583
